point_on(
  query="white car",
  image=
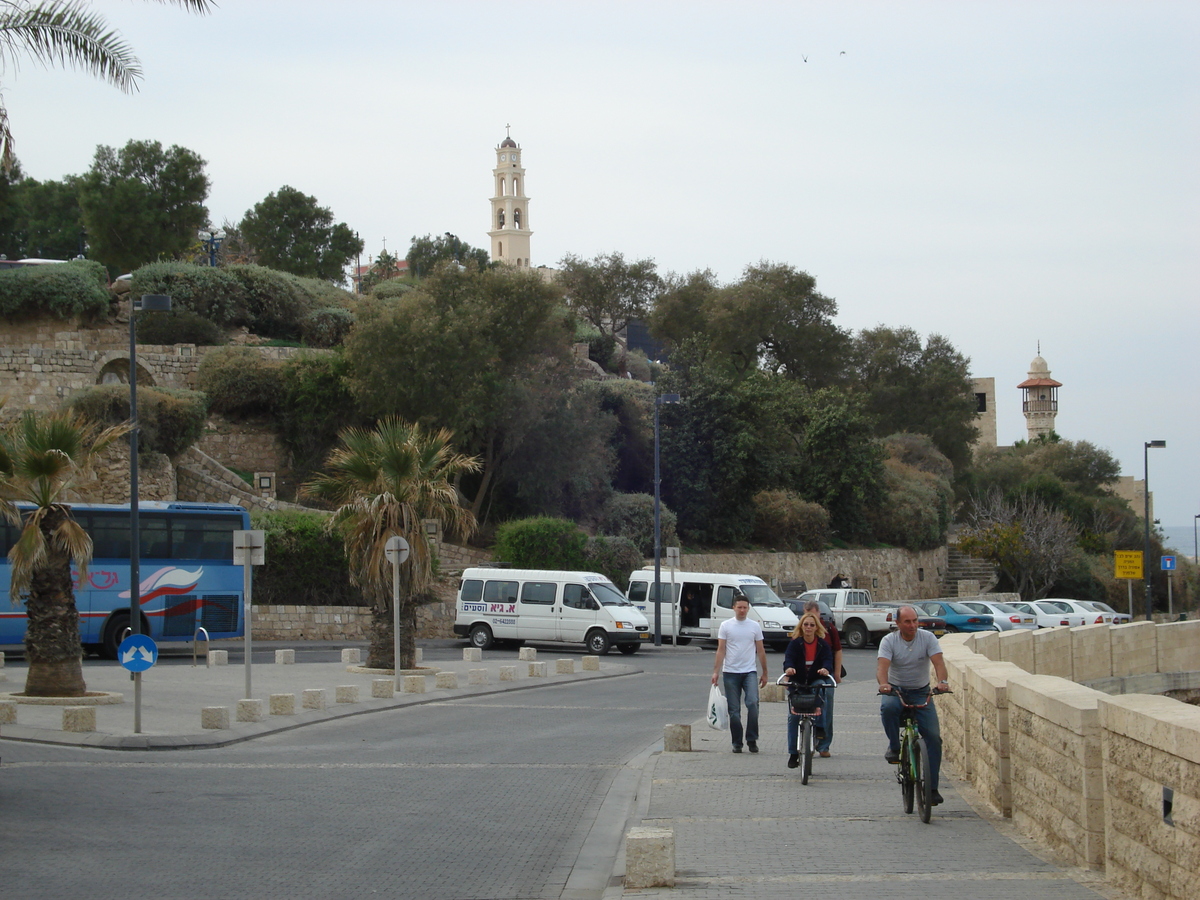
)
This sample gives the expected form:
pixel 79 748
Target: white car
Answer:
pixel 1004 616
pixel 1118 618
pixel 1047 615
pixel 1089 614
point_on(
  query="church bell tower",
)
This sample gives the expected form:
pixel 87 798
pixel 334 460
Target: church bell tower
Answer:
pixel 510 207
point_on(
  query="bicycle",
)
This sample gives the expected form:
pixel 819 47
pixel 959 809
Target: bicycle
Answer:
pixel 805 701
pixel 912 772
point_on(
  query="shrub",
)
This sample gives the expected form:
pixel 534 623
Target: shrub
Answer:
pixel 784 520
pixel 615 557
pixel 541 543
pixel 209 292
pixel 169 420
pixel 632 516
pixel 327 326
pixel 393 287
pixel 239 382
pixel 316 405
pixel 915 512
pixel 275 301
pixel 305 564
pixel 63 291
pixel 178 327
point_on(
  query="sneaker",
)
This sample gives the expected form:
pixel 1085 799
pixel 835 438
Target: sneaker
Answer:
pixel 753 746
pixel 793 760
pixel 935 799
pixel 892 756
pixel 737 748
pixel 825 754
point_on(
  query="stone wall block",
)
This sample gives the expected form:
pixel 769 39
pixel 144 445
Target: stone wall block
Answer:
pixel 346 693
pixel 447 680
pixel 564 667
pixel 649 858
pixel 79 718
pixel 250 710
pixel 590 664
pixel 313 698
pixel 216 717
pixel 477 676
pixel 383 688
pixel 284 657
pixel 508 673
pixel 412 684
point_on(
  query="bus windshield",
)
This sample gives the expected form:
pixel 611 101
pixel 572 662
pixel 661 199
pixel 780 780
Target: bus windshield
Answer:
pixel 607 594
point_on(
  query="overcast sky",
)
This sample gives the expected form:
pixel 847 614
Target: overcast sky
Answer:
pixel 1002 173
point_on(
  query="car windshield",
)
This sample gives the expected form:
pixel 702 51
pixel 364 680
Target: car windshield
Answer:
pixel 1008 609
pixel 761 595
pixel 607 594
pixel 1051 608
pixel 961 608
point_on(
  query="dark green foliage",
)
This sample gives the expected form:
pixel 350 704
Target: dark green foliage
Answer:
pixel 632 516
pixel 786 521
pixel 615 557
pixel 327 326
pixel 178 327
pixel 394 287
pixel 541 543
pixel 40 220
pixel 169 420
pixel 290 232
pixel 212 293
pixel 66 291
pixel 305 565
pixel 608 291
pixel 239 382
pixel 918 494
pixel 316 405
pixel 425 253
pixel 632 403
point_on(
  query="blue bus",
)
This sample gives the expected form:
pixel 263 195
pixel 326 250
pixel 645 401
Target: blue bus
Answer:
pixel 188 578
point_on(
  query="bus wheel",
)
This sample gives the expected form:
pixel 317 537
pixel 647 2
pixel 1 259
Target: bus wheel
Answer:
pixel 113 635
pixel 481 637
pixel 597 642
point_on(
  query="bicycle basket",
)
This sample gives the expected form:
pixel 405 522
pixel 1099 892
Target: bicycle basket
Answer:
pixel 803 701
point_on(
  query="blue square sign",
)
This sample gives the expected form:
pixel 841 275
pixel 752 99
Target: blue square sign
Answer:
pixel 1168 564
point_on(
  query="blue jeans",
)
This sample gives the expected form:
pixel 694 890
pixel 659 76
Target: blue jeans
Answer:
pixel 737 684
pixel 793 725
pixel 927 722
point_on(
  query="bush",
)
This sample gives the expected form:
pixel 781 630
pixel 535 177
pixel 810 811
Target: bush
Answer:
pixel 239 382
pixel 178 327
pixel 915 512
pixel 305 564
pixel 784 520
pixel 631 516
pixel 393 287
pixel 209 292
pixel 66 291
pixel 169 420
pixel 316 406
pixel 615 557
pixel 326 327
pixel 541 543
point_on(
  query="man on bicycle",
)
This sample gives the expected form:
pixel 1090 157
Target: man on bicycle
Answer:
pixel 903 668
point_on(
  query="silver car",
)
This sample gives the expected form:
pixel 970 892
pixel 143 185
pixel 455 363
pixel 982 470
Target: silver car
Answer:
pixel 1004 616
pixel 1089 614
pixel 1118 618
pixel 1048 615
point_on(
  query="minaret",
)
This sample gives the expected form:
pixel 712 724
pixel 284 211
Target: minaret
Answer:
pixel 510 207
pixel 1039 398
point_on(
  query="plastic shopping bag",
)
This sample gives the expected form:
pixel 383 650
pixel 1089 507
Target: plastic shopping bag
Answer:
pixel 718 710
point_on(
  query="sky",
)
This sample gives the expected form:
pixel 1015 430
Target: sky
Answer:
pixel 1011 175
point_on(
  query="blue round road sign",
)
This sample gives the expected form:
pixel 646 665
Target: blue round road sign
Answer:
pixel 138 652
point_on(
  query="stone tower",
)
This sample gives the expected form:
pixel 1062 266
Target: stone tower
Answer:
pixel 510 207
pixel 1039 399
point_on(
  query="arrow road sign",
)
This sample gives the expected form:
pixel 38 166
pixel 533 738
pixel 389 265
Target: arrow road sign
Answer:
pixel 138 652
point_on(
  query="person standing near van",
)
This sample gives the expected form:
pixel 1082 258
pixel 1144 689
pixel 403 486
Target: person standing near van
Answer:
pixel 739 647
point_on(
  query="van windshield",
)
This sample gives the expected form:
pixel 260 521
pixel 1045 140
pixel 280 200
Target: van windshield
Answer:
pixel 761 595
pixel 607 594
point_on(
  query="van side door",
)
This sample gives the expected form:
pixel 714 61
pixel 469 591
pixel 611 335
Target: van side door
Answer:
pixel 577 612
pixel 537 619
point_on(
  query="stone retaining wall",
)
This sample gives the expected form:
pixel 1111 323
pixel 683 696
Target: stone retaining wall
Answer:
pixel 340 623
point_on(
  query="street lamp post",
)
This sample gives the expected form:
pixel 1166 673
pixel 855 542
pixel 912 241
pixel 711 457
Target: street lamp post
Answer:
pixel 212 242
pixel 659 400
pixel 1146 492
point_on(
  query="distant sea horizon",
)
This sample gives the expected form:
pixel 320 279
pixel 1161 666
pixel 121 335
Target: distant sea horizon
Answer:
pixel 1180 539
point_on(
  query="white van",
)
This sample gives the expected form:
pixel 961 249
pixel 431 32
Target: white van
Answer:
pixel 703 600
pixel 496 604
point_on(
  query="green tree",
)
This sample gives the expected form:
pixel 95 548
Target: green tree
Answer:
pixel 40 219
pixel 291 232
pixel 40 458
pixel 142 203
pixel 383 483
pixel 424 254
pixel 681 310
pixel 608 291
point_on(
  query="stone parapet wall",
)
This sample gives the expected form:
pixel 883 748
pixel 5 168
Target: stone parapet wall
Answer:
pixel 341 623
pixel 108 481
pixel 251 446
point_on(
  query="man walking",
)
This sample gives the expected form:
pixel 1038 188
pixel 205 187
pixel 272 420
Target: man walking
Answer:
pixel 739 645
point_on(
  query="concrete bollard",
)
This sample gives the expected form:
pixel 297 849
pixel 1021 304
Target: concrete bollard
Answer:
pixel 477 676
pixel 649 857
pixel 79 718
pixel 413 684
pixel 508 673
pixel 537 670
pixel 8 712
pixel 285 657
pixel 283 704
pixel 313 698
pixel 383 688
pixel 772 693
pixel 215 717
pixel 591 664
pixel 218 657
pixel 347 693
pixel 250 711
pixel 527 654
pixel 447 680
pixel 418 656
pixel 472 654
pixel 677 738
pixel 351 655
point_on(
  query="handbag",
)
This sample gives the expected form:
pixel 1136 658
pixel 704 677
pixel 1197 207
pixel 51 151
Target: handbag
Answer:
pixel 718 709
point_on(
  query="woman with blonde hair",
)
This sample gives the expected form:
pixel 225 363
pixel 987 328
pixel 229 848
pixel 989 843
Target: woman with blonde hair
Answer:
pixel 808 658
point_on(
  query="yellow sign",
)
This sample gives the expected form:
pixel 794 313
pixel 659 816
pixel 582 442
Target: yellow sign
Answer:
pixel 1128 564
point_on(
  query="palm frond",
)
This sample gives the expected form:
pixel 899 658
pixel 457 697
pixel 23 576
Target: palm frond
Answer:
pixel 66 32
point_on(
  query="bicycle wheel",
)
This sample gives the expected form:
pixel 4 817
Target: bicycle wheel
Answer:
pixel 806 749
pixel 924 786
pixel 906 773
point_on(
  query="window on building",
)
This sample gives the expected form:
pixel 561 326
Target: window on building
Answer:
pixel 981 403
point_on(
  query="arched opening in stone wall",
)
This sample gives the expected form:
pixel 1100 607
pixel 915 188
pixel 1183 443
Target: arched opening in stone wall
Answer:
pixel 116 371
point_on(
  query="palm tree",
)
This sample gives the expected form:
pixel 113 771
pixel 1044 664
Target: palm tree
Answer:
pixel 385 482
pixel 66 32
pixel 40 457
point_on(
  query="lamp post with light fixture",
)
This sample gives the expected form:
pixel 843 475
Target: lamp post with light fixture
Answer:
pixel 659 400
pixel 1146 490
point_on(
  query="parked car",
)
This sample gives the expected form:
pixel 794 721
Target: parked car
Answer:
pixel 1004 616
pixel 929 623
pixel 1118 618
pixel 958 616
pixel 1048 615
pixel 1089 614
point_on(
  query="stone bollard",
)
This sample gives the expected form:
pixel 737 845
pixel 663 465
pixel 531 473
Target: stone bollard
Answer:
pixel 347 693
pixel 677 738
pixel 218 657
pixel 214 717
pixel 591 664
pixel 477 676
pixel 8 712
pixel 250 711
pixel 283 704
pixel 772 693
pixel 413 684
pixel 508 673
pixel 313 698
pixel 649 857
pixel 351 655
pixel 79 718
pixel 564 667
pixel 383 688
pixel 527 654
pixel 447 680
pixel 472 654
pixel 537 670
pixel 285 657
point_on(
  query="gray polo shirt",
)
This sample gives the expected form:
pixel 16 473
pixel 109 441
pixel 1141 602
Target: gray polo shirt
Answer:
pixel 909 659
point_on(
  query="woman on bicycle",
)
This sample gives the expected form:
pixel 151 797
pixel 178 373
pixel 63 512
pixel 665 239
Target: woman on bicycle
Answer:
pixel 808 659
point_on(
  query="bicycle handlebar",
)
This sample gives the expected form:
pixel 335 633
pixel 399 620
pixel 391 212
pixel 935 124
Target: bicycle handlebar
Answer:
pixel 785 680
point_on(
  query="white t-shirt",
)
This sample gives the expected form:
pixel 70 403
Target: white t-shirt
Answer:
pixel 741 654
pixel 909 659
